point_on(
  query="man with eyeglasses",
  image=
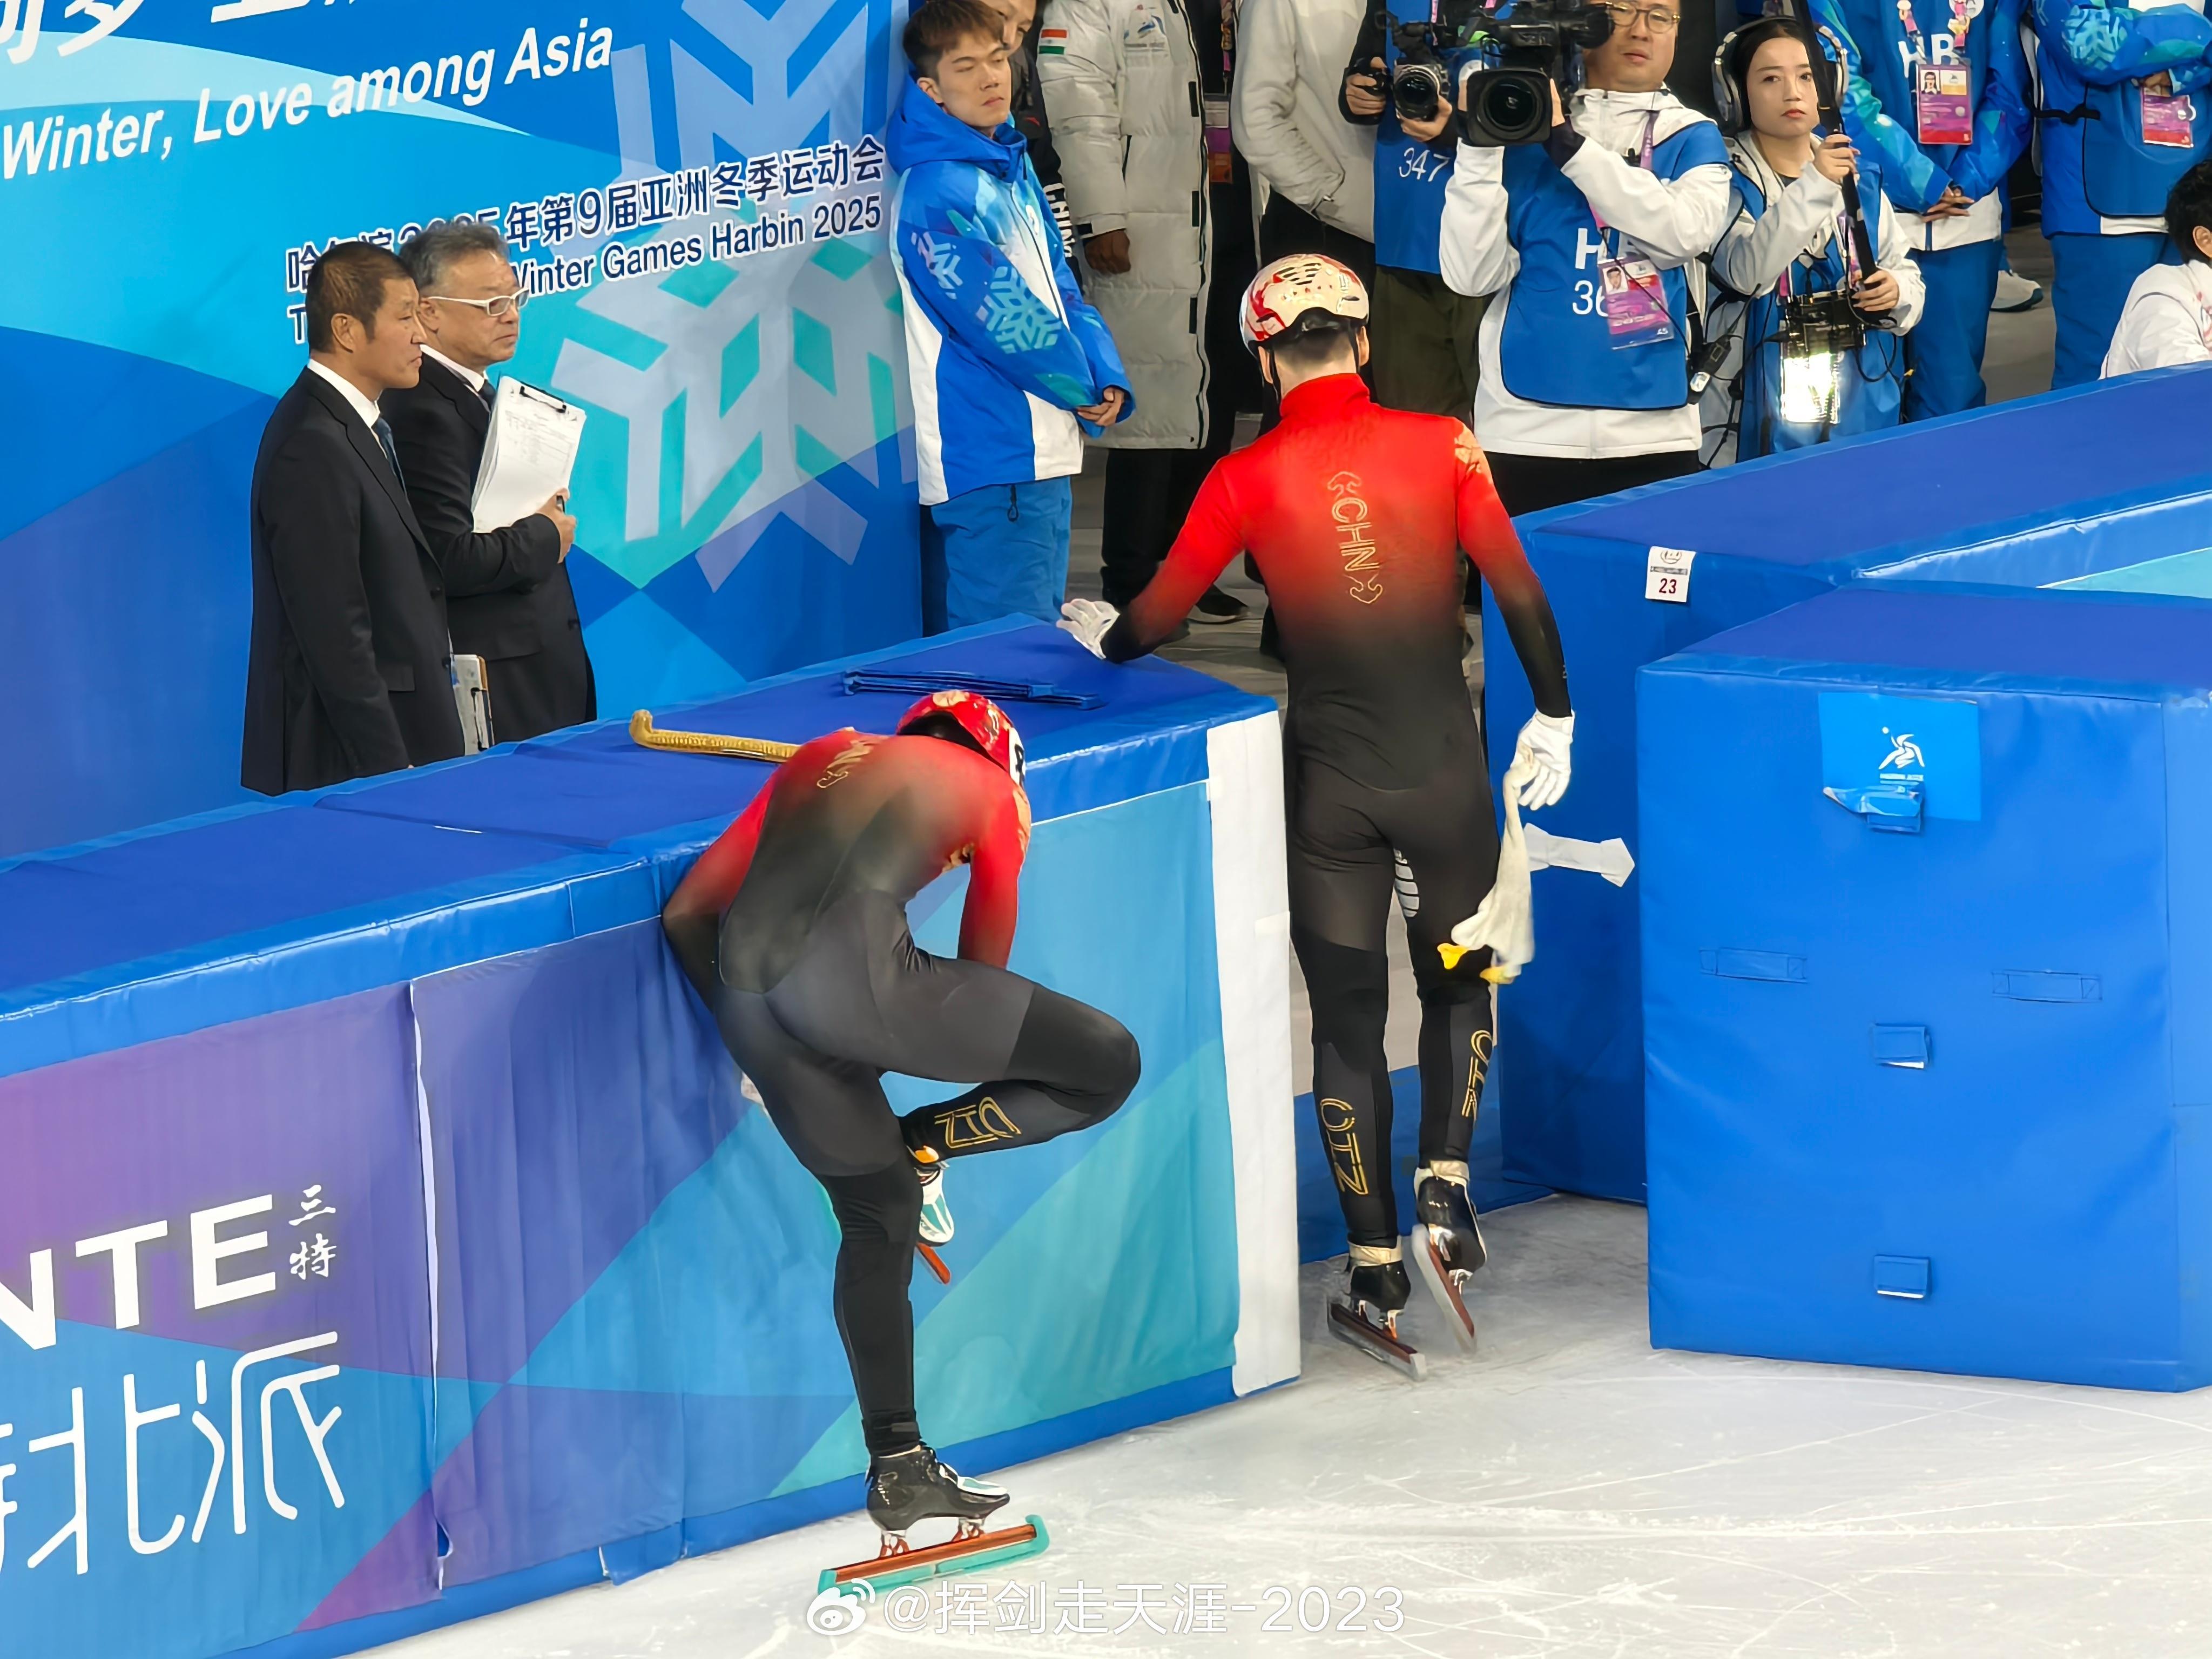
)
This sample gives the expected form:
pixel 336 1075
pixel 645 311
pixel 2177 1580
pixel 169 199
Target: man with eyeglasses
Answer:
pixel 508 590
pixel 1583 242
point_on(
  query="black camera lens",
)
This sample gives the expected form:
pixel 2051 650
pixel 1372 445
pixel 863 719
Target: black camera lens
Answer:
pixel 1508 106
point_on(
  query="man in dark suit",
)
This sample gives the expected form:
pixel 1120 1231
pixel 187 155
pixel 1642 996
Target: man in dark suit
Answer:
pixel 350 672
pixel 506 590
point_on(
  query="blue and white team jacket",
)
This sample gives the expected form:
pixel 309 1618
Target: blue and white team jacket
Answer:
pixel 1887 40
pixel 2100 176
pixel 1000 345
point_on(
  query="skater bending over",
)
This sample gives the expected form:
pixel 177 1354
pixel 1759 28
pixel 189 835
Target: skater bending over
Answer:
pixel 1357 517
pixel 793 929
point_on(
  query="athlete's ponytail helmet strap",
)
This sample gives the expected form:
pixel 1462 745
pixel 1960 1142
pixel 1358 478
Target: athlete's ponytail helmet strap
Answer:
pixel 981 719
pixel 1289 288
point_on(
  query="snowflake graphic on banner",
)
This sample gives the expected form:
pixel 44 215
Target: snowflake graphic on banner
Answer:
pixel 771 396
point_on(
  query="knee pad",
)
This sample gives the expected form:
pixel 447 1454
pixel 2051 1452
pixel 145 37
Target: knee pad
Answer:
pixel 1120 1064
pixel 1349 990
pixel 1462 983
pixel 878 1212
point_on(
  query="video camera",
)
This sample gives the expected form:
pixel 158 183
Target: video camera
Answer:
pixel 1533 45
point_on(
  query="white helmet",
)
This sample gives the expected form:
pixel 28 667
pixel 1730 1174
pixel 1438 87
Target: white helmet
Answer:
pixel 1289 288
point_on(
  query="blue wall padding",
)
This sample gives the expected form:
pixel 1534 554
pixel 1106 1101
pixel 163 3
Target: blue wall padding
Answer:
pixel 267 906
pixel 1934 1098
pixel 2049 489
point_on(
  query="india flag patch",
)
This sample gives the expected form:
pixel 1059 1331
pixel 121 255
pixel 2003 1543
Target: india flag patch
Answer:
pixel 1053 43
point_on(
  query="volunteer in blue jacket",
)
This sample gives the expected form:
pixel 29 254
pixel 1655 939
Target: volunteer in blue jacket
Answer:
pixel 1582 242
pixel 1791 240
pixel 1009 366
pixel 1421 334
pixel 1938 99
pixel 2119 127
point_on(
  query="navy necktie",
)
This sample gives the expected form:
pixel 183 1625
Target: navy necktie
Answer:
pixel 391 450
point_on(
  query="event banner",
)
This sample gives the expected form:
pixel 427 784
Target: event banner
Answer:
pixel 693 195
pixel 214 1337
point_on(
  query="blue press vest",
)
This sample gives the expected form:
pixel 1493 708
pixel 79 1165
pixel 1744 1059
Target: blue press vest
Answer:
pixel 2094 159
pixel 1870 386
pixel 1555 347
pixel 1409 177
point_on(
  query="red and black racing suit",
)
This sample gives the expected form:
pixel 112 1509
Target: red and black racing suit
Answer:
pixel 1357 516
pixel 792 928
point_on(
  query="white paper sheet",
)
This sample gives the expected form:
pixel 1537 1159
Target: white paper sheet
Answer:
pixel 528 455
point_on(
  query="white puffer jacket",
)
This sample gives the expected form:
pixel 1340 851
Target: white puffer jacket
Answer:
pixel 1121 80
pixel 1283 113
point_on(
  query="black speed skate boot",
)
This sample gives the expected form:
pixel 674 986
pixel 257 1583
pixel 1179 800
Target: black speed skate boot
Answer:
pixel 909 1487
pixel 1447 1242
pixel 913 1485
pixel 1366 1314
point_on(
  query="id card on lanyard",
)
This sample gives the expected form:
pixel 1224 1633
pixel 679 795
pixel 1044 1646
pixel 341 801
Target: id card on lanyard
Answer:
pixel 1631 295
pixel 2169 119
pixel 1943 93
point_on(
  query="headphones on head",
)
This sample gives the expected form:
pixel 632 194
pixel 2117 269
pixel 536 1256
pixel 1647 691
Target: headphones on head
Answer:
pixel 1728 89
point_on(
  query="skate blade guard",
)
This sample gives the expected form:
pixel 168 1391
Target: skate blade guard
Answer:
pixel 1450 1300
pixel 1352 1327
pixel 917 1565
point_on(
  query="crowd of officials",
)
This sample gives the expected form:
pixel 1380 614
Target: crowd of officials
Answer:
pixel 1671 277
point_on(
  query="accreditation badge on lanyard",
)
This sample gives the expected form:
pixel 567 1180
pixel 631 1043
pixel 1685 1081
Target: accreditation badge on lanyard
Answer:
pixel 2169 119
pixel 1943 93
pixel 1633 301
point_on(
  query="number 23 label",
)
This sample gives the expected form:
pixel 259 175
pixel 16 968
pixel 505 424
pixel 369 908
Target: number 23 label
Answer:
pixel 1667 576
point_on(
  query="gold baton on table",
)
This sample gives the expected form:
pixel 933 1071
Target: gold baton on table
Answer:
pixel 642 733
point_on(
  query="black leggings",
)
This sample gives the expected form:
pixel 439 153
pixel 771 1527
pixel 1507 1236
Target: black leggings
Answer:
pixel 1342 835
pixel 863 999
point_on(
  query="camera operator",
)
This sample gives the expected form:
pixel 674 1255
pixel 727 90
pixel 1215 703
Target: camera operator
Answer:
pixel 1821 338
pixel 1318 168
pixel 1423 335
pixel 1581 240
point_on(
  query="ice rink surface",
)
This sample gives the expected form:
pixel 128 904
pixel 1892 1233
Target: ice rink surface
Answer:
pixel 1564 1490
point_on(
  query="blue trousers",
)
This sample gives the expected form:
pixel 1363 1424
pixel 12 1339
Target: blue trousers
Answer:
pixel 1943 353
pixel 2088 291
pixel 998 551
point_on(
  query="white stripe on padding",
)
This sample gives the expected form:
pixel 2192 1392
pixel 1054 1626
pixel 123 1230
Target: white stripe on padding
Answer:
pixel 1252 935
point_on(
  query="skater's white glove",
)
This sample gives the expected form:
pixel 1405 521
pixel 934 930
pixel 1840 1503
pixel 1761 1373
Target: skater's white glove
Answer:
pixel 1546 744
pixel 1088 620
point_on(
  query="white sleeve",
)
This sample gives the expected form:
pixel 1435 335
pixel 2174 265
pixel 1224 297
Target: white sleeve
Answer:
pixel 2160 330
pixel 1672 221
pixel 1082 94
pixel 1473 251
pixel 1263 116
pixel 1896 259
pixel 1753 253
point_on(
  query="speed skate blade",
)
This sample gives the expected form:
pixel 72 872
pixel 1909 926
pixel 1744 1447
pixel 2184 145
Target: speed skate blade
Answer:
pixel 1450 1303
pixel 1349 1326
pixel 914 1566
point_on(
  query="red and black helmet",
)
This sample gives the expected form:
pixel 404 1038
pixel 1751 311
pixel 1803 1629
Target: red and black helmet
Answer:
pixel 981 719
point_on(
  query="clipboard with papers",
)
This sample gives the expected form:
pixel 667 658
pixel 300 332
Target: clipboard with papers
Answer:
pixel 528 455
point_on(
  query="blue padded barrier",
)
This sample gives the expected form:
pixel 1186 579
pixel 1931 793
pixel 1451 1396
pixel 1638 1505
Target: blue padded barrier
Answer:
pixel 1928 1090
pixel 2071 487
pixel 250 909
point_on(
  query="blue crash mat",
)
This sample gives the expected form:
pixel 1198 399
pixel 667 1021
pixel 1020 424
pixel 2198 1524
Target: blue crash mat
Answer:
pixel 2033 461
pixel 595 789
pixel 1926 1083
